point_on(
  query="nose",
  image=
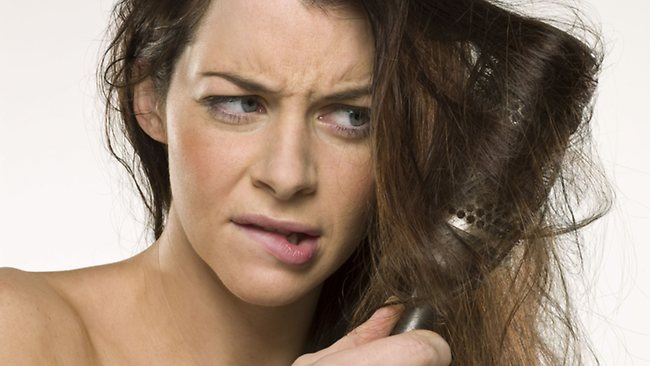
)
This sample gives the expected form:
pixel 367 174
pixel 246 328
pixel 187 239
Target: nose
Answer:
pixel 286 166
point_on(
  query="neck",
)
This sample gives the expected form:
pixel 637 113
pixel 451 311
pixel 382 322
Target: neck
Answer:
pixel 209 321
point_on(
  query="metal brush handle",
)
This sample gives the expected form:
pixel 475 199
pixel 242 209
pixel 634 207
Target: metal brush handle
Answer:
pixel 419 317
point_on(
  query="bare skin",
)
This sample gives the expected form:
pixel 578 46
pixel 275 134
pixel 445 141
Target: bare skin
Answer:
pixel 119 314
pixel 62 318
pixel 256 123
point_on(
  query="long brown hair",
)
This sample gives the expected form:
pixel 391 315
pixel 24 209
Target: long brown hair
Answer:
pixel 480 127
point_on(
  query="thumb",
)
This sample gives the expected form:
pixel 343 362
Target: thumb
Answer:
pixel 379 325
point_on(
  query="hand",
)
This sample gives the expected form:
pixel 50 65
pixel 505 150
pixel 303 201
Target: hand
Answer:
pixel 370 344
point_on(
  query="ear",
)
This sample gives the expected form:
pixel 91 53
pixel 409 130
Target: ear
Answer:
pixel 147 113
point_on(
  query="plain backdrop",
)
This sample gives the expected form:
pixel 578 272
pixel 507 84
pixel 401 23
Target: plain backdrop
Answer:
pixel 64 204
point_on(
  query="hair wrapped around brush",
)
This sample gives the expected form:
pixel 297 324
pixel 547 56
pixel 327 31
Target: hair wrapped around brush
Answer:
pixel 480 121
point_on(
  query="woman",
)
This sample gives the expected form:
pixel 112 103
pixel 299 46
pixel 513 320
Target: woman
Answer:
pixel 293 225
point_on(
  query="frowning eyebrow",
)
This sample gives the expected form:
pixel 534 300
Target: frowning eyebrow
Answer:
pixel 240 81
pixel 257 87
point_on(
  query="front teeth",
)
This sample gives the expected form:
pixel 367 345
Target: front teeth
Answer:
pixel 293 238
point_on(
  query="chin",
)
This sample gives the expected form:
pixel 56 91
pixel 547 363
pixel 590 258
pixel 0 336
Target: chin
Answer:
pixel 277 299
pixel 272 287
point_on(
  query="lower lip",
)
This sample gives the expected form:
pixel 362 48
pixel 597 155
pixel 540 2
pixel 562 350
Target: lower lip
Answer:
pixel 278 245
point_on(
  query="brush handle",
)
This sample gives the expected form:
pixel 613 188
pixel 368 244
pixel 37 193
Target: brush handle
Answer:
pixel 419 317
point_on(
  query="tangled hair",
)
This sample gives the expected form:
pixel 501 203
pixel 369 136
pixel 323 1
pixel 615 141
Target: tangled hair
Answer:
pixel 480 129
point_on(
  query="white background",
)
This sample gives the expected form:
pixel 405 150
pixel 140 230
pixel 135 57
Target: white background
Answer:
pixel 64 204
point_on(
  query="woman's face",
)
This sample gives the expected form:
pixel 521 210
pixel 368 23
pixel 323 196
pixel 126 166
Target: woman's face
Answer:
pixel 266 122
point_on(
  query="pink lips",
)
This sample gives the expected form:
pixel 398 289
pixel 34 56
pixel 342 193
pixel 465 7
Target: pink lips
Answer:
pixel 273 236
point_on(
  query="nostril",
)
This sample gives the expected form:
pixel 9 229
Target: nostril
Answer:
pixel 263 185
pixel 284 174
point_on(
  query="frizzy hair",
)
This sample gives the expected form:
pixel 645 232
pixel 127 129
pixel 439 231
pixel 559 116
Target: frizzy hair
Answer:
pixel 480 129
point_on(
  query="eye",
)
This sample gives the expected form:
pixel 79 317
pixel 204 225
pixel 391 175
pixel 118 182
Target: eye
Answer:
pixel 236 105
pixel 350 121
pixel 354 117
pixel 233 108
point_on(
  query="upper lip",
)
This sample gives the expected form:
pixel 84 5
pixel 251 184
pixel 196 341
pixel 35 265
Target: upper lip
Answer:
pixel 284 227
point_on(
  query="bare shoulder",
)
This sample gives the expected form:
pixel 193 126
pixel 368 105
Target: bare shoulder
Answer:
pixel 37 325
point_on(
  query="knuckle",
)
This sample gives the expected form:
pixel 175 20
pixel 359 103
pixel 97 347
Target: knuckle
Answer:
pixel 358 337
pixel 422 347
pixel 429 348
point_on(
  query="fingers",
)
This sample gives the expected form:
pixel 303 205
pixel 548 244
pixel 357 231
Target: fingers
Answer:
pixel 414 348
pixel 370 344
pixel 379 325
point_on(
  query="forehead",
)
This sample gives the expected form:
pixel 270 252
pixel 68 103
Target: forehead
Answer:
pixel 291 44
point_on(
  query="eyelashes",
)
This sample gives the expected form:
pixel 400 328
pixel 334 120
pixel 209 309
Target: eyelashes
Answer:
pixel 234 109
pixel 351 121
pixel 344 120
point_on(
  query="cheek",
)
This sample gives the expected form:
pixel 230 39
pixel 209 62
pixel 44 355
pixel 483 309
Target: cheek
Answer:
pixel 204 168
pixel 352 214
pixel 362 196
pixel 350 193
